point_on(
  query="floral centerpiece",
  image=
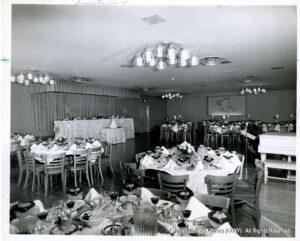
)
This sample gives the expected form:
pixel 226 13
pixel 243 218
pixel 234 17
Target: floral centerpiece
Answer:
pixel 186 148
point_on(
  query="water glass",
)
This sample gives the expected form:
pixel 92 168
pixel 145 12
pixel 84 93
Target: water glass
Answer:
pixel 145 219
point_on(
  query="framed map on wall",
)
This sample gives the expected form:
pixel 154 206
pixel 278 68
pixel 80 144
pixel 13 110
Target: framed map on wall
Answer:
pixel 227 105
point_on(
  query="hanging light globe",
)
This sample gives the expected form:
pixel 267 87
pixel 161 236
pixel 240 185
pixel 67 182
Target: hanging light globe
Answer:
pixel 160 64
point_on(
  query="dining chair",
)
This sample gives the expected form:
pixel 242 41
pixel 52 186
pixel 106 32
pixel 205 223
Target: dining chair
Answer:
pixel 138 157
pixel 106 156
pixel 130 174
pixel 164 133
pixel 15 151
pixel 32 167
pixel 54 164
pixel 223 186
pixel 94 162
pixel 213 201
pixel 272 229
pixel 225 135
pixel 249 194
pixel 80 163
pixel 172 184
pixel 242 159
pixel 236 136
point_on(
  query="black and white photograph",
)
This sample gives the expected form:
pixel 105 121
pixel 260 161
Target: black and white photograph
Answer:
pixel 159 119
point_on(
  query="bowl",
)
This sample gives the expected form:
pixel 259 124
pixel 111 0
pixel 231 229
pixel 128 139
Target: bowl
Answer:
pixel 184 196
pixel 23 207
pixel 87 218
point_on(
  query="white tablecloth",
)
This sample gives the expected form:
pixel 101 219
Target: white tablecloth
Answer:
pixel 91 128
pixel 113 136
pixel 196 180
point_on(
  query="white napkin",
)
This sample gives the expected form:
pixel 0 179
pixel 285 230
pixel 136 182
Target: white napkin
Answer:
pixel 277 127
pixel 199 166
pixel 73 147
pixel 198 209
pixel 175 128
pixel 34 147
pixel 92 195
pixel 165 151
pixel 54 148
pixel 291 127
pixel 22 141
pixel 171 165
pixel 146 161
pixel 146 194
pixel 88 145
pixel 227 153
pixel 96 144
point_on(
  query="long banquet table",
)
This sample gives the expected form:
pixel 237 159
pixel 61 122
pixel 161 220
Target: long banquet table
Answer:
pixel 91 128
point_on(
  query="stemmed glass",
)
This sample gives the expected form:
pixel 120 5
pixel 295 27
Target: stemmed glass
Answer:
pixel 41 223
pixel 185 214
pixel 69 204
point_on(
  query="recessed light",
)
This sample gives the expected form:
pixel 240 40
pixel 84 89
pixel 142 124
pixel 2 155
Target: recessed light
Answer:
pixel 155 19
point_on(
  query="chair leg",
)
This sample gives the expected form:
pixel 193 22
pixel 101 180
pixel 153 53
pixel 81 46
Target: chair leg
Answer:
pixel 100 171
pixel 46 184
pixel 51 184
pixel 38 180
pixel 80 176
pixel 111 168
pixel 26 180
pixel 20 176
pixel 232 214
pixel 33 181
pixel 63 182
pixel 92 174
pixel 75 178
pixel 87 176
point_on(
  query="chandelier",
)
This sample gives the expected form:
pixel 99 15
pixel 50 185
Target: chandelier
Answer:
pixel 32 77
pixel 171 96
pixel 255 90
pixel 166 53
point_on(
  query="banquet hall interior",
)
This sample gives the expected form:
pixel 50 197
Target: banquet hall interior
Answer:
pixel 193 105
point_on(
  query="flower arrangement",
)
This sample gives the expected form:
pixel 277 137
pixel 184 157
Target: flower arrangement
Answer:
pixel 186 148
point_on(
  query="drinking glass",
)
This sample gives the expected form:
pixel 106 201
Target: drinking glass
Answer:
pixel 145 219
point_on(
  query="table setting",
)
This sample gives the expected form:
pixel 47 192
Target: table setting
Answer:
pixel 185 160
pixel 61 145
pixel 108 213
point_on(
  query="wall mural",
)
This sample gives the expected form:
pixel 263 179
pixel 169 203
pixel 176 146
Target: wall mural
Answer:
pixel 227 105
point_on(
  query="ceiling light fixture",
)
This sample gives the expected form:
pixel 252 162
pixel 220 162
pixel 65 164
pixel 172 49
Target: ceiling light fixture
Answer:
pixel 254 90
pixel 32 77
pixel 167 53
pixel 171 96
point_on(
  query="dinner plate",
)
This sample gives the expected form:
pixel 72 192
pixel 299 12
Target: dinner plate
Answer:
pixel 22 207
pixel 66 230
pixel 113 229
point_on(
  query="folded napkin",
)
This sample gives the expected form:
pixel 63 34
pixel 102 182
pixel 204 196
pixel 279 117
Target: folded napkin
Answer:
pixel 227 153
pixel 22 141
pixel 147 161
pixel 73 147
pixel 88 145
pixel 96 144
pixel 198 209
pixel 199 166
pixel 277 127
pixel 92 195
pixel 146 194
pixel 171 165
pixel 55 148
pixel 34 147
pixel 165 151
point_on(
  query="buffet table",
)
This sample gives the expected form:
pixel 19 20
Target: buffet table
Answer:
pixel 113 136
pixel 91 128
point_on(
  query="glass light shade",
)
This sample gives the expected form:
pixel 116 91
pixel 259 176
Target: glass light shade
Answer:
pixel 183 63
pixel 52 82
pixel 159 51
pixel 180 96
pixel 250 91
pixel 210 62
pixel 152 62
pixel 291 116
pixel 194 61
pixel 160 64
pixel 41 79
pixel 184 54
pixel 27 82
pixel 242 92
pixel 263 90
pixel 35 79
pixel 148 55
pixel 163 96
pixel 172 61
pixel 13 79
pixel 21 77
pixel 171 53
pixel 138 61
pixel 29 75
pixel 46 78
pixel 258 89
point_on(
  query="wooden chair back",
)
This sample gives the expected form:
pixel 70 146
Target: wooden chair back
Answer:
pixel 80 158
pixel 131 174
pixel 57 164
pixel 172 184
pixel 14 146
pixel 214 201
pixel 107 149
pixel 95 154
pixel 138 157
pixel 221 185
pixel 272 229
pixel 242 159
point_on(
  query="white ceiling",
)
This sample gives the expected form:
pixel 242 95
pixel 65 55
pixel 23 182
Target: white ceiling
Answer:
pixel 94 41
